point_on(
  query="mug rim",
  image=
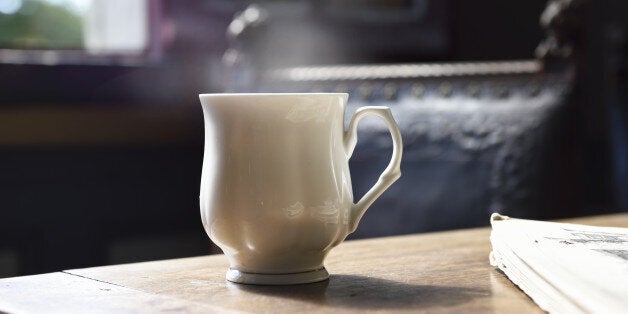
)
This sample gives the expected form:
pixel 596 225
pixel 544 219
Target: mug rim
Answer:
pixel 268 94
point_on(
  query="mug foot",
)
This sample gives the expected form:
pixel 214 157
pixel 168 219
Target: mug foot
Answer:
pixel 237 276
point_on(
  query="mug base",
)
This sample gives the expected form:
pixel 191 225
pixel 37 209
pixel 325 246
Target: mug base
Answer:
pixel 237 276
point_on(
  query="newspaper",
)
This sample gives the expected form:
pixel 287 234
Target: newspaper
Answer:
pixel 564 268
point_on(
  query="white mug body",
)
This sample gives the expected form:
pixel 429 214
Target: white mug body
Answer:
pixel 275 188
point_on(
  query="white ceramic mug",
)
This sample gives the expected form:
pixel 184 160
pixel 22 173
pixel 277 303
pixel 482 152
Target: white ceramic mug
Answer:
pixel 276 189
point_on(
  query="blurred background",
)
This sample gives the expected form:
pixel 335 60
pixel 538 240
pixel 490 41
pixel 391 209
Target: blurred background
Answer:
pixel 512 106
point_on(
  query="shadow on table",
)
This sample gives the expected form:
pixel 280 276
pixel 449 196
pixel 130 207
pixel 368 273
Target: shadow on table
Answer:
pixel 373 293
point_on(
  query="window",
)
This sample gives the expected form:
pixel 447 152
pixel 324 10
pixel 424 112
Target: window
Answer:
pixel 74 31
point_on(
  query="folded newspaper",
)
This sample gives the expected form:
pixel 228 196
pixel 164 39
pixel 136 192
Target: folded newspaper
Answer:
pixel 564 268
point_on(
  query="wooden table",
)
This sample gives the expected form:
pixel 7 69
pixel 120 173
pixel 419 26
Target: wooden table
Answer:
pixel 434 272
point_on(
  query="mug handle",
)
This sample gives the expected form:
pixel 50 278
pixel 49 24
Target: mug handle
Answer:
pixel 392 171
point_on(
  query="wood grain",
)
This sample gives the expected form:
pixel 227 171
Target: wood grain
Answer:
pixel 65 293
pixel 402 273
pixel 445 272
